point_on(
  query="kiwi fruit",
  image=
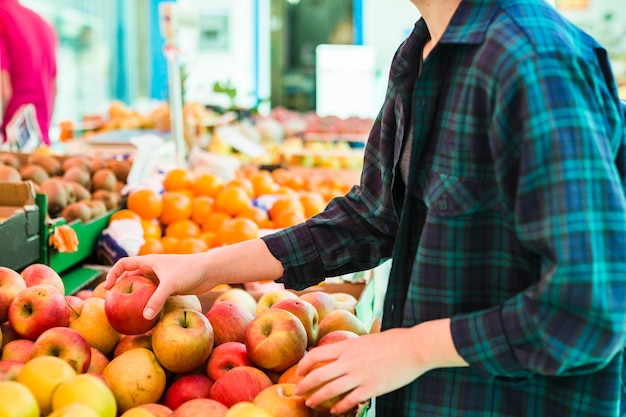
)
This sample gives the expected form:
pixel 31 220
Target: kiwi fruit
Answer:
pixel 78 175
pixel 104 179
pixel 97 207
pixel 9 174
pixel 10 160
pixel 110 199
pixel 48 162
pixel 78 191
pixel 120 168
pixel 97 163
pixel 79 210
pixel 34 173
pixel 75 161
pixel 57 193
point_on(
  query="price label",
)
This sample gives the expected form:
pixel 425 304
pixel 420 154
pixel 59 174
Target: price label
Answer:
pixel 23 131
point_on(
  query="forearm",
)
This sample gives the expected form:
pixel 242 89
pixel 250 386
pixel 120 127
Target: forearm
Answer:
pixel 434 347
pixel 242 262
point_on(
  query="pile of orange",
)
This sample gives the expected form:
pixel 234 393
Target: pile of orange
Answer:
pixel 198 211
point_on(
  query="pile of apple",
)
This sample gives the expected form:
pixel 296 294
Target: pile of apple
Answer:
pixel 93 353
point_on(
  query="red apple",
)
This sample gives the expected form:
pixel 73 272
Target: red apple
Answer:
pixel 241 296
pixel 201 407
pixel 157 410
pixel 280 400
pixel 36 309
pixel 131 341
pixel 84 293
pixel 10 369
pixel 98 362
pixel 242 383
pixel 64 343
pixel 275 339
pixel 35 274
pixel 8 334
pixel 305 312
pixel 226 357
pixel 182 340
pixel 322 301
pixel 340 319
pixel 124 304
pixel 269 298
pixel 229 321
pixel 185 388
pixel 336 336
pixel 289 376
pixel 75 304
pixel 20 350
pixel 11 283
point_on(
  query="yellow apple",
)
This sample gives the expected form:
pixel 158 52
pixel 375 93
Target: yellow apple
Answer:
pixel 136 378
pixel 345 301
pixel 42 375
pixel 98 362
pixel 240 296
pixel 246 409
pixel 269 298
pixel 280 400
pixel 74 410
pixel 88 389
pixel 16 400
pixel 137 412
pixel 188 301
pixel 92 323
pixel 340 319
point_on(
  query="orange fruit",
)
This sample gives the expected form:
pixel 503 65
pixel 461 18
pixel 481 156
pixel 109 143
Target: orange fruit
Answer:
pixel 146 202
pixel 169 244
pixel 182 229
pixel 263 183
pixel 286 203
pixel 176 206
pixel 284 190
pixel 214 221
pixel 232 200
pixel 124 214
pixel 201 207
pixel 191 245
pixel 243 183
pixel 237 230
pixel 210 238
pixel 256 214
pixel 151 245
pixel 288 218
pixel 281 175
pixel 178 179
pixel 207 184
pixel 151 228
pixel 313 203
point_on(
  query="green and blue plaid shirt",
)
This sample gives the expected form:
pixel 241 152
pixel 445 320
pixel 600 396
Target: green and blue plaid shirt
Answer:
pixel 513 221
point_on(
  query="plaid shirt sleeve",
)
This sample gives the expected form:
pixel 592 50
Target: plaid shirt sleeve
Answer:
pixel 567 196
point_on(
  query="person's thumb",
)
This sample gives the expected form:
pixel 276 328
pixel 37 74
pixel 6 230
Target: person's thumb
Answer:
pixel 155 303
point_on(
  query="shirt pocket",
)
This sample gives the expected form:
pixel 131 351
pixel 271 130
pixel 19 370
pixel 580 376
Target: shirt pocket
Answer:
pixel 451 196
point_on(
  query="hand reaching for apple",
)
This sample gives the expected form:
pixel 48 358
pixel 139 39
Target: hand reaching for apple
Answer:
pixel 335 376
pixel 198 273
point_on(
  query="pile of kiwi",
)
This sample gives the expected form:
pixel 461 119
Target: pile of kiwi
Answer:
pixel 77 187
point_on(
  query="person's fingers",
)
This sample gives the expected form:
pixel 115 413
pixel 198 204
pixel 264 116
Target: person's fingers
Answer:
pixel 122 266
pixel 156 301
pixel 314 356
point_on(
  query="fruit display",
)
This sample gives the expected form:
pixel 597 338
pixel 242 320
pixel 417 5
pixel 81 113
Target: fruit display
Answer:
pixel 195 211
pixel 94 354
pixel 77 187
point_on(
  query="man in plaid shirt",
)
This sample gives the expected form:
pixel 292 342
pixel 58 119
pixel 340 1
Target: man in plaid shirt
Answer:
pixel 494 180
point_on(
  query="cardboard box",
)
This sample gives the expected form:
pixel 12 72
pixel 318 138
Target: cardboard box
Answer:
pixel 20 225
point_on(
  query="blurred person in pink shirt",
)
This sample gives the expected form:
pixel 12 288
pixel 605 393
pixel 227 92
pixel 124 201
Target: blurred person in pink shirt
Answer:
pixel 28 62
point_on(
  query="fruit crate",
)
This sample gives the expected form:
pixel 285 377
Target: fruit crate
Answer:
pixel 87 233
pixel 20 227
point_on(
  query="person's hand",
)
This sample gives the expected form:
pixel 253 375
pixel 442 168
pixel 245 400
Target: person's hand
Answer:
pixel 174 274
pixel 375 364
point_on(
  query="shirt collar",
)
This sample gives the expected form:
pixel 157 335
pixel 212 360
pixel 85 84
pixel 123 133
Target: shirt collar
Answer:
pixel 468 25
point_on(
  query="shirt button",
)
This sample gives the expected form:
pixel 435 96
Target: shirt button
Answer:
pixel 442 204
